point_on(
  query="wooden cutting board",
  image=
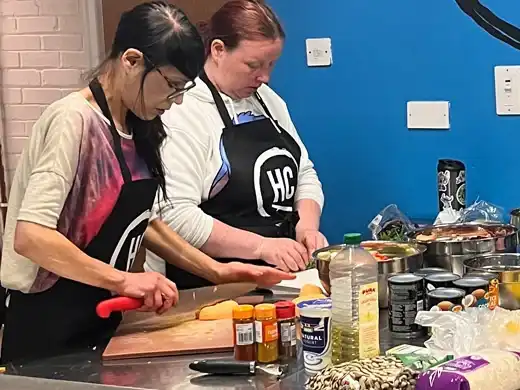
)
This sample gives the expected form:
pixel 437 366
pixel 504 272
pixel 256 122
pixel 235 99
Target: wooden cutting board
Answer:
pixel 192 337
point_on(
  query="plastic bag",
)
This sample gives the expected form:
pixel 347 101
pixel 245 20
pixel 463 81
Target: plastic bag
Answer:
pixel 471 331
pixel 448 215
pixel 390 225
pixel 482 211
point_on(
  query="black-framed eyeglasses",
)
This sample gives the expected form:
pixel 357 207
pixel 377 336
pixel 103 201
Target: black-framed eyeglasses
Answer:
pixel 176 90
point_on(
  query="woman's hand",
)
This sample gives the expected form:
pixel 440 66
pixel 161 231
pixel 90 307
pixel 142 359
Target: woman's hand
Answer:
pixel 311 239
pixel 242 272
pixel 284 253
pixel 158 292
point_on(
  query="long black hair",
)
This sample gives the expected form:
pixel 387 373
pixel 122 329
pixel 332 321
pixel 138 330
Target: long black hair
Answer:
pixel 163 33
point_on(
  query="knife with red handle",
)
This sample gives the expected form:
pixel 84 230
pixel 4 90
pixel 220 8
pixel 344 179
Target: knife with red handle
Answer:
pixel 106 307
pixel 190 301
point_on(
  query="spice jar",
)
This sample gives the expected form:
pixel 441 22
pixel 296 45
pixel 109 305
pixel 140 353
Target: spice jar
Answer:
pixel 244 333
pixel 266 329
pixel 286 316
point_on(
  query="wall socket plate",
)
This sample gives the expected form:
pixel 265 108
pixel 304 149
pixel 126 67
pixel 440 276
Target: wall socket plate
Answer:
pixel 319 51
pixel 424 115
pixel 507 90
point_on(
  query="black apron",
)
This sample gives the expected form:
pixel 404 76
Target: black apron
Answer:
pixel 63 318
pixel 259 196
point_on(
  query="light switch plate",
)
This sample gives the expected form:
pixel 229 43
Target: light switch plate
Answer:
pixel 507 90
pixel 425 115
pixel 319 51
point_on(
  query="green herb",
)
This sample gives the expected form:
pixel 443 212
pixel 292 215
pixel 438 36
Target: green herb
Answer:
pixel 312 264
pixel 393 231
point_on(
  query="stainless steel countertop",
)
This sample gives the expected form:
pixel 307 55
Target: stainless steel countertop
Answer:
pixel 9 382
pixel 85 370
pixel 158 373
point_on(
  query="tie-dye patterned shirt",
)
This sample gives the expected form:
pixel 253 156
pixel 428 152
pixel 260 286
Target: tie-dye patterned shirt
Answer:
pixel 68 179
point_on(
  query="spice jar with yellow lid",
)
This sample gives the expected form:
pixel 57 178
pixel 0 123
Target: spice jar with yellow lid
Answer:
pixel 266 329
pixel 244 333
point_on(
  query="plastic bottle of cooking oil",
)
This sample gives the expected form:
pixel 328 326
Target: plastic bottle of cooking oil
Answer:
pixel 355 308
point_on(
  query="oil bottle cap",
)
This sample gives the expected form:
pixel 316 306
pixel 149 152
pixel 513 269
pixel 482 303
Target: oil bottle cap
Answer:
pixel 243 312
pixel 352 239
pixel 265 311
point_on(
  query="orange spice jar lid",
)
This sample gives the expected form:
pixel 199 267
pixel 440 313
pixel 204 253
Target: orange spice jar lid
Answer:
pixel 265 311
pixel 243 312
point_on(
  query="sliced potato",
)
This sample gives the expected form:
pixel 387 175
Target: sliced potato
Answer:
pixel 220 311
pixel 310 289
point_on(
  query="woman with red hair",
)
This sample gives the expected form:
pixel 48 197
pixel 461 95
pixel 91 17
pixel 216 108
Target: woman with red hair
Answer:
pixel 239 179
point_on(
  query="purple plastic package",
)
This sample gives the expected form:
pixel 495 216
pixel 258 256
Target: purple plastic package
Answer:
pixel 450 375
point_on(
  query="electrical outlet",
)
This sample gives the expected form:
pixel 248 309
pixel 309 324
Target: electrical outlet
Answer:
pixel 507 90
pixel 319 51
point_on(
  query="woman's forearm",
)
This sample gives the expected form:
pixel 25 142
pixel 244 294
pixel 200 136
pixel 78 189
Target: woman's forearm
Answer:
pixel 227 241
pixel 171 247
pixel 310 214
pixel 53 251
pixel 230 242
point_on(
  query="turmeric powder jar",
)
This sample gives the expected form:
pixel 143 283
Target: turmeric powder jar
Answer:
pixel 266 329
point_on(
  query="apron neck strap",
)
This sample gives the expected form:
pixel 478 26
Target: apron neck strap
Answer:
pixel 264 106
pixel 101 100
pixel 221 107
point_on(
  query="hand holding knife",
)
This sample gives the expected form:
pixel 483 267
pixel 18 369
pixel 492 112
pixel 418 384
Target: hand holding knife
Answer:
pixel 105 308
pixel 189 300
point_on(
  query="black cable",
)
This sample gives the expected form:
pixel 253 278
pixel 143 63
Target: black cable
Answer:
pixel 491 23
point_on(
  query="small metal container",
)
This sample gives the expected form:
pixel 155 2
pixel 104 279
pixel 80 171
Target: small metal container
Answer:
pixel 476 289
pixel 445 299
pixel 405 299
pixel 507 267
pixel 440 279
pixel 424 272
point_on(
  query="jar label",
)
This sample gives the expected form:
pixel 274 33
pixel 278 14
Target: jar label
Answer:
pixel 288 333
pixel 266 332
pixel 244 334
pixel 285 330
pixel 368 321
pixel 493 294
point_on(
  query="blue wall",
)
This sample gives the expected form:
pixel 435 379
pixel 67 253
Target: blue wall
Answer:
pixel 352 116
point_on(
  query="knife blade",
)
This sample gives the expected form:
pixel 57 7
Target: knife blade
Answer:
pixel 190 301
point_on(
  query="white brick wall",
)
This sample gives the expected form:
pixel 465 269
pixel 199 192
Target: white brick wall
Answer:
pixel 45 47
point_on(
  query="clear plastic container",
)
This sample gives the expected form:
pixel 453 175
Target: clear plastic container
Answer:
pixel 355 310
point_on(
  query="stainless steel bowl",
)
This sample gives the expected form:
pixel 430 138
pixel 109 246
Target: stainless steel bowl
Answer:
pixel 451 254
pixel 507 267
pixel 386 268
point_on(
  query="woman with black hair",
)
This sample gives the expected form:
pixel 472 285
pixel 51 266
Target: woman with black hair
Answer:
pixel 81 199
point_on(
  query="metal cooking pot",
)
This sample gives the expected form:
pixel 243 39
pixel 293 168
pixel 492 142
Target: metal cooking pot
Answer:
pixel 451 254
pixel 507 267
pixel 386 268
pixel 515 218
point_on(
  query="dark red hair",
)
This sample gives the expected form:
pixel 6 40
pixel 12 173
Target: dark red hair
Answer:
pixel 239 20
